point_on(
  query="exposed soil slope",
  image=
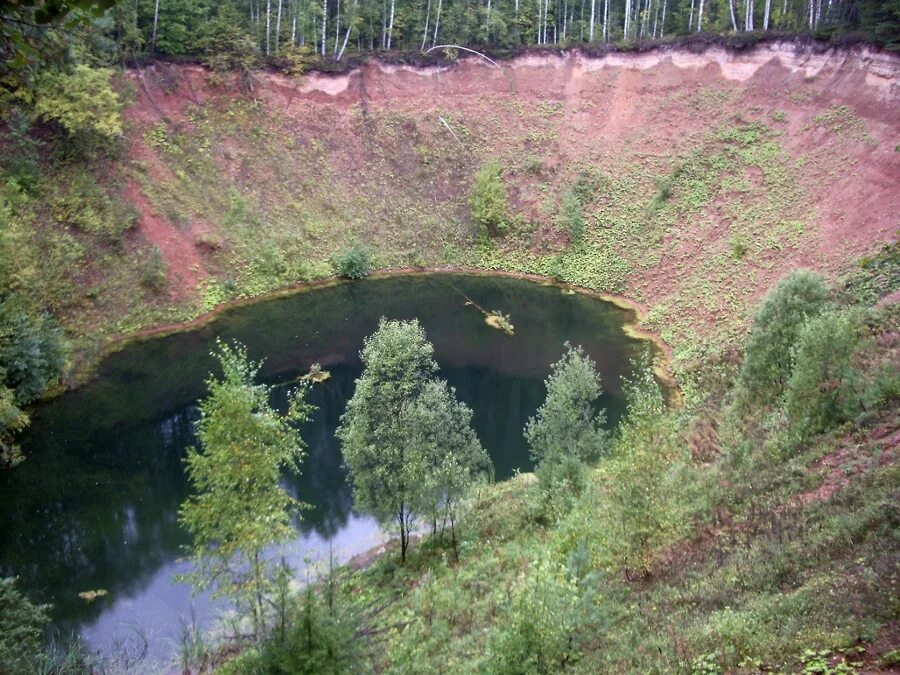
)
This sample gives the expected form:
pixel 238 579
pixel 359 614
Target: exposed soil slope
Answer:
pixel 699 178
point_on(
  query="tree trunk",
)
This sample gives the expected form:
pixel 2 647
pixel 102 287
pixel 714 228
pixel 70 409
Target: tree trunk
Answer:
pixel 662 26
pixel 425 32
pixel 605 20
pixel 565 18
pixel 691 17
pixel 349 28
pixel 487 24
pixel 324 25
pixel 278 26
pixel 155 22
pixel 453 537
pixel 268 24
pixel 337 29
pixel 540 8
pixel 733 21
pixel 591 32
pixel 518 36
pixel 404 535
pixel 437 21
pixel 700 18
pixel 391 25
pixel 627 19
pixel 766 14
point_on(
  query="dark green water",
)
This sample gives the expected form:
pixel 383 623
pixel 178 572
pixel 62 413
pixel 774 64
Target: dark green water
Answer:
pixel 95 505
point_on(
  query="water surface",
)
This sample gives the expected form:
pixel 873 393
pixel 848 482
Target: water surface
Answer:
pixel 95 505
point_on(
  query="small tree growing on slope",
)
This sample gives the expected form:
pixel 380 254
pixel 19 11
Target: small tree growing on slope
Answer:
pixel 489 200
pixel 569 428
pixel 238 507
pixel 453 455
pixel 767 358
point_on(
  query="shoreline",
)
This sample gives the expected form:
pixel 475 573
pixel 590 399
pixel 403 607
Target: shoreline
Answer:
pixel 662 362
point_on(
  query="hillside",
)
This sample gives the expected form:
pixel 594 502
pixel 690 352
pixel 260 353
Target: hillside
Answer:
pixel 697 179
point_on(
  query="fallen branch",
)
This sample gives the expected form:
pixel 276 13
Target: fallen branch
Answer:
pixel 465 49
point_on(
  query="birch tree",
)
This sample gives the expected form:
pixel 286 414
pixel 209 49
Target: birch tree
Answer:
pixel 591 32
pixel 390 30
pixel 268 23
pixel 155 24
pixel 278 26
pixel 437 22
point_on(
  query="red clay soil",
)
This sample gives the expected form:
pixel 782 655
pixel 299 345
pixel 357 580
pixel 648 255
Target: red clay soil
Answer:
pixel 647 104
pixel 184 263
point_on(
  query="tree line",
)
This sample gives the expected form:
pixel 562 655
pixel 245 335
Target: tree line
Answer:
pixel 335 28
pixel 250 30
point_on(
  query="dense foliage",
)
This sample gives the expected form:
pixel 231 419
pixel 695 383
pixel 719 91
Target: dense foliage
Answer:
pixel 21 625
pixel 354 262
pixel 406 439
pixel 488 200
pixel 768 362
pixel 568 432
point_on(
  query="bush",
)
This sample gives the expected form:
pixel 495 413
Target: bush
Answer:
pixel 776 326
pixel 536 635
pixel 31 351
pixel 318 636
pixel 569 428
pixel 81 101
pixel 489 200
pixel 153 275
pixel 87 207
pixel 641 508
pixel 822 390
pixel 21 624
pixel 354 263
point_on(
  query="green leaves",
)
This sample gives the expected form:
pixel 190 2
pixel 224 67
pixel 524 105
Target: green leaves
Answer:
pixel 488 199
pixel 238 507
pixel 569 428
pixel 81 101
pixel 406 439
pixel 767 360
pixel 21 625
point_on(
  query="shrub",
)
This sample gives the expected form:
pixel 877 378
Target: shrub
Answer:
pixel 87 207
pixel 489 200
pixel 81 101
pixel 641 508
pixel 318 635
pixel 822 390
pixel 153 276
pixel 572 217
pixel 536 635
pixel 21 624
pixel 776 326
pixel 354 263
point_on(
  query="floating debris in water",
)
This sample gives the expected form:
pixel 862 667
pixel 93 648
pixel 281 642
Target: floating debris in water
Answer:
pixel 90 596
pixel 500 321
pixel 494 319
pixel 316 374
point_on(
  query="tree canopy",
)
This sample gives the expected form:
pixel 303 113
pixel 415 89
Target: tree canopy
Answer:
pixel 405 438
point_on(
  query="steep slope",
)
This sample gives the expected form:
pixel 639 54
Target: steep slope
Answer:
pixel 697 179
